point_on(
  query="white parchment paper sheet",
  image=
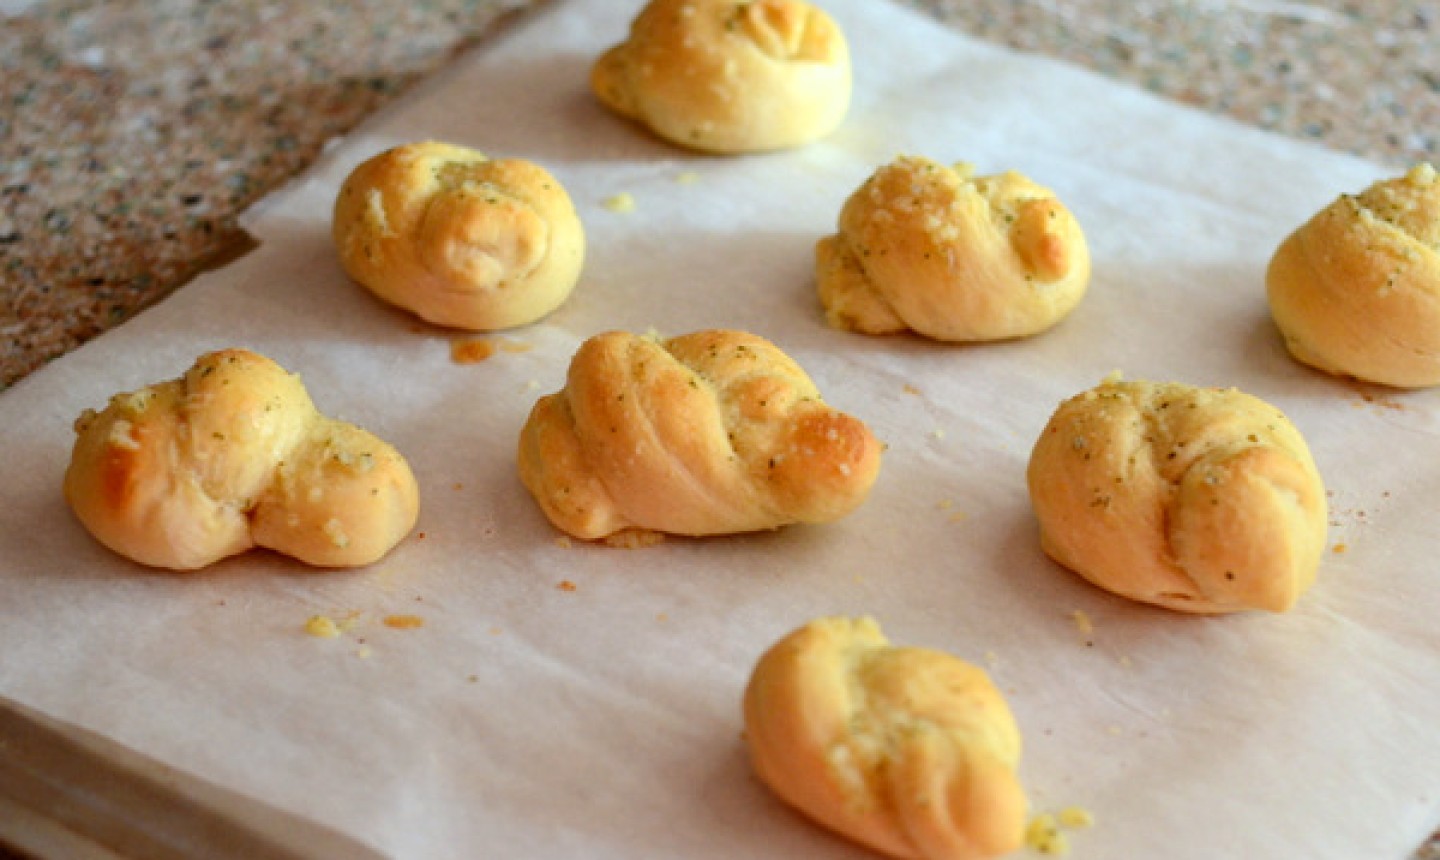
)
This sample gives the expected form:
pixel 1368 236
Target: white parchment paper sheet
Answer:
pixel 524 720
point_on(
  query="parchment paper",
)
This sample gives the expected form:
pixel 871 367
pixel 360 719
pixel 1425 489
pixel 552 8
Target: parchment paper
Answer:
pixel 527 718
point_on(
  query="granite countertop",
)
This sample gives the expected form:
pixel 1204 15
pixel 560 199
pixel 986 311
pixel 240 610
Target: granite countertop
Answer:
pixel 133 132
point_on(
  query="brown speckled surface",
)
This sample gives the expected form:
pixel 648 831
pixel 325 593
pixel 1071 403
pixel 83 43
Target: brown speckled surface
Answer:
pixel 132 132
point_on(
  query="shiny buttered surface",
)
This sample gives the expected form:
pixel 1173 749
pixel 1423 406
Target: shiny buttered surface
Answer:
pixel 1356 289
pixel 230 456
pixel 1197 499
pixel 952 256
pixel 457 238
pixel 729 77
pixel 909 751
pixel 715 432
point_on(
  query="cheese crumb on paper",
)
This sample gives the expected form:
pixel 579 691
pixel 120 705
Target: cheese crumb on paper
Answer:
pixel 322 627
pixel 622 202
pixel 404 622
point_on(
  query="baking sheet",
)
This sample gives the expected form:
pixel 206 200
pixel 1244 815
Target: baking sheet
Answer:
pixel 574 700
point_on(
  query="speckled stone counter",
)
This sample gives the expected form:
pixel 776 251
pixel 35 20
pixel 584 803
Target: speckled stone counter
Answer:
pixel 133 132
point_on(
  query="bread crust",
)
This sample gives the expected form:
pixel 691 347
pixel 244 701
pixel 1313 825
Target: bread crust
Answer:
pixel 715 432
pixel 954 257
pixel 909 751
pixel 1355 291
pixel 729 76
pixel 457 238
pixel 1202 500
pixel 230 456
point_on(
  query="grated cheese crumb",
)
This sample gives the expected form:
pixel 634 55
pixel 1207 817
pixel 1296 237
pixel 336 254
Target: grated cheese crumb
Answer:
pixel 622 202
pixel 122 435
pixel 322 627
pixel 336 532
pixel 1076 818
pixel 1043 836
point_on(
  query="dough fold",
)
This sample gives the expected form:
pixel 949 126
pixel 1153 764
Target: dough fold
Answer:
pixel 1202 500
pixel 954 257
pixel 457 238
pixel 230 456
pixel 909 751
pixel 729 77
pixel 714 432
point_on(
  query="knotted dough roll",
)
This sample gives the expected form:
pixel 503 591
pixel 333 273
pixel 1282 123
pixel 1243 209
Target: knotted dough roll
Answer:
pixel 930 248
pixel 715 432
pixel 909 751
pixel 729 76
pixel 459 239
pixel 1198 499
pixel 1356 289
pixel 233 455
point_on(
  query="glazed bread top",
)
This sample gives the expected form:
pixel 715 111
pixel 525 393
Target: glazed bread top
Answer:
pixel 955 257
pixel 457 238
pixel 714 432
pixel 1356 289
pixel 729 77
pixel 910 751
pixel 232 455
pixel 1197 499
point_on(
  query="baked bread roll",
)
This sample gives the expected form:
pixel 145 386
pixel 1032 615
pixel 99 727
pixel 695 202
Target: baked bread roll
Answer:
pixel 933 249
pixel 909 751
pixel 1356 289
pixel 1198 499
pixel 233 455
pixel 715 432
pixel 457 238
pixel 729 76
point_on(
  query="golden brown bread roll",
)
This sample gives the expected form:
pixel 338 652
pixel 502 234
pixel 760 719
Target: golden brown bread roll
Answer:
pixel 457 238
pixel 715 432
pixel 729 76
pixel 933 249
pixel 233 455
pixel 1197 499
pixel 1356 289
pixel 909 751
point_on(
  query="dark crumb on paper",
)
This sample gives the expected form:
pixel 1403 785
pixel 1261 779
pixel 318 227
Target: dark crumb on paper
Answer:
pixel 471 350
